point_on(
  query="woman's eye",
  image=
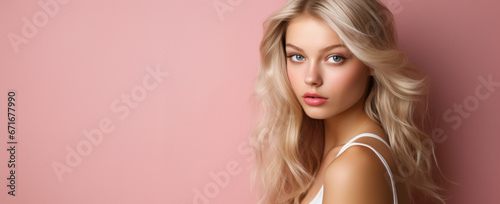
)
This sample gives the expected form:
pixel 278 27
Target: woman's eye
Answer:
pixel 335 59
pixel 296 58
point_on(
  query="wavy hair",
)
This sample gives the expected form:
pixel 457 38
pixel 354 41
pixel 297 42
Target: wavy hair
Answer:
pixel 289 144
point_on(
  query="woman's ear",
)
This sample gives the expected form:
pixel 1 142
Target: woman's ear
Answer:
pixel 370 71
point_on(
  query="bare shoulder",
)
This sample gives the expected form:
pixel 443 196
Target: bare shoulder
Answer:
pixel 357 176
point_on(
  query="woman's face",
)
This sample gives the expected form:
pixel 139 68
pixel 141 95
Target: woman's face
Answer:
pixel 317 63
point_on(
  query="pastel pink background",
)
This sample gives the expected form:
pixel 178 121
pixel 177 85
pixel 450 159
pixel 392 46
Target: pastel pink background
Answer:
pixel 196 122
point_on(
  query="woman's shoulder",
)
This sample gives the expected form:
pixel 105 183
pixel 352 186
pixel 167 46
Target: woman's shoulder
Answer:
pixel 355 161
pixel 357 175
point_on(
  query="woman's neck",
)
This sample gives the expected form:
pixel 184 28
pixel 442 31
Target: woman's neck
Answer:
pixel 346 125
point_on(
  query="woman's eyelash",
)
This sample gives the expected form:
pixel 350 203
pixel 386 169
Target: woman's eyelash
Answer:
pixel 337 58
pixel 295 55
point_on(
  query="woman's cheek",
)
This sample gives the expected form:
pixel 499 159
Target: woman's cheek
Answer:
pixel 339 80
pixel 293 78
pixel 345 84
pixel 356 80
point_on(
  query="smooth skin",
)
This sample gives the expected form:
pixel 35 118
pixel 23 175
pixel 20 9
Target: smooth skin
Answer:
pixel 318 62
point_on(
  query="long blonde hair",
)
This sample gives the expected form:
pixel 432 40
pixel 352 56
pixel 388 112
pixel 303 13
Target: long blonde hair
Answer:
pixel 289 144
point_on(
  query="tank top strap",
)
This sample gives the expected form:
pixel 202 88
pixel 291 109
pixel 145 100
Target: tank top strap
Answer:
pixel 353 143
pixel 348 144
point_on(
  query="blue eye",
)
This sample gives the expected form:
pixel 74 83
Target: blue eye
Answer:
pixel 296 57
pixel 335 59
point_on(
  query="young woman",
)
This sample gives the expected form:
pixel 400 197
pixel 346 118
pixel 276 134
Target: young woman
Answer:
pixel 341 108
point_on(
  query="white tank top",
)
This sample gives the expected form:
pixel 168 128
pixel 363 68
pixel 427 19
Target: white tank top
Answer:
pixel 319 197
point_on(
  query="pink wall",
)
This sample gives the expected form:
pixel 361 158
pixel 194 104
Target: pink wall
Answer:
pixel 456 43
pixel 146 101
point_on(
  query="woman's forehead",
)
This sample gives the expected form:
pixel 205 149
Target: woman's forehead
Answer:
pixel 310 33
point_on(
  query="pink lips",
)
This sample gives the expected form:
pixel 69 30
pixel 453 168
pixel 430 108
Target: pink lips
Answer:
pixel 314 99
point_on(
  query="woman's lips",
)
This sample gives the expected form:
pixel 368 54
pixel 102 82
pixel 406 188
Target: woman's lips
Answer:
pixel 314 99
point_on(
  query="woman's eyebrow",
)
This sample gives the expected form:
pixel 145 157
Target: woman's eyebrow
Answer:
pixel 322 50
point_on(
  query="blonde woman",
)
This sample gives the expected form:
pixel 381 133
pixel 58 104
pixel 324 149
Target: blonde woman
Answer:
pixel 341 109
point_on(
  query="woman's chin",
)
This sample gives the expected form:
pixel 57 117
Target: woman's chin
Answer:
pixel 316 114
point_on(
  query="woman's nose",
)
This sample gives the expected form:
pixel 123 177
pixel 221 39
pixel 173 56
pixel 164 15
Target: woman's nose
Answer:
pixel 313 75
